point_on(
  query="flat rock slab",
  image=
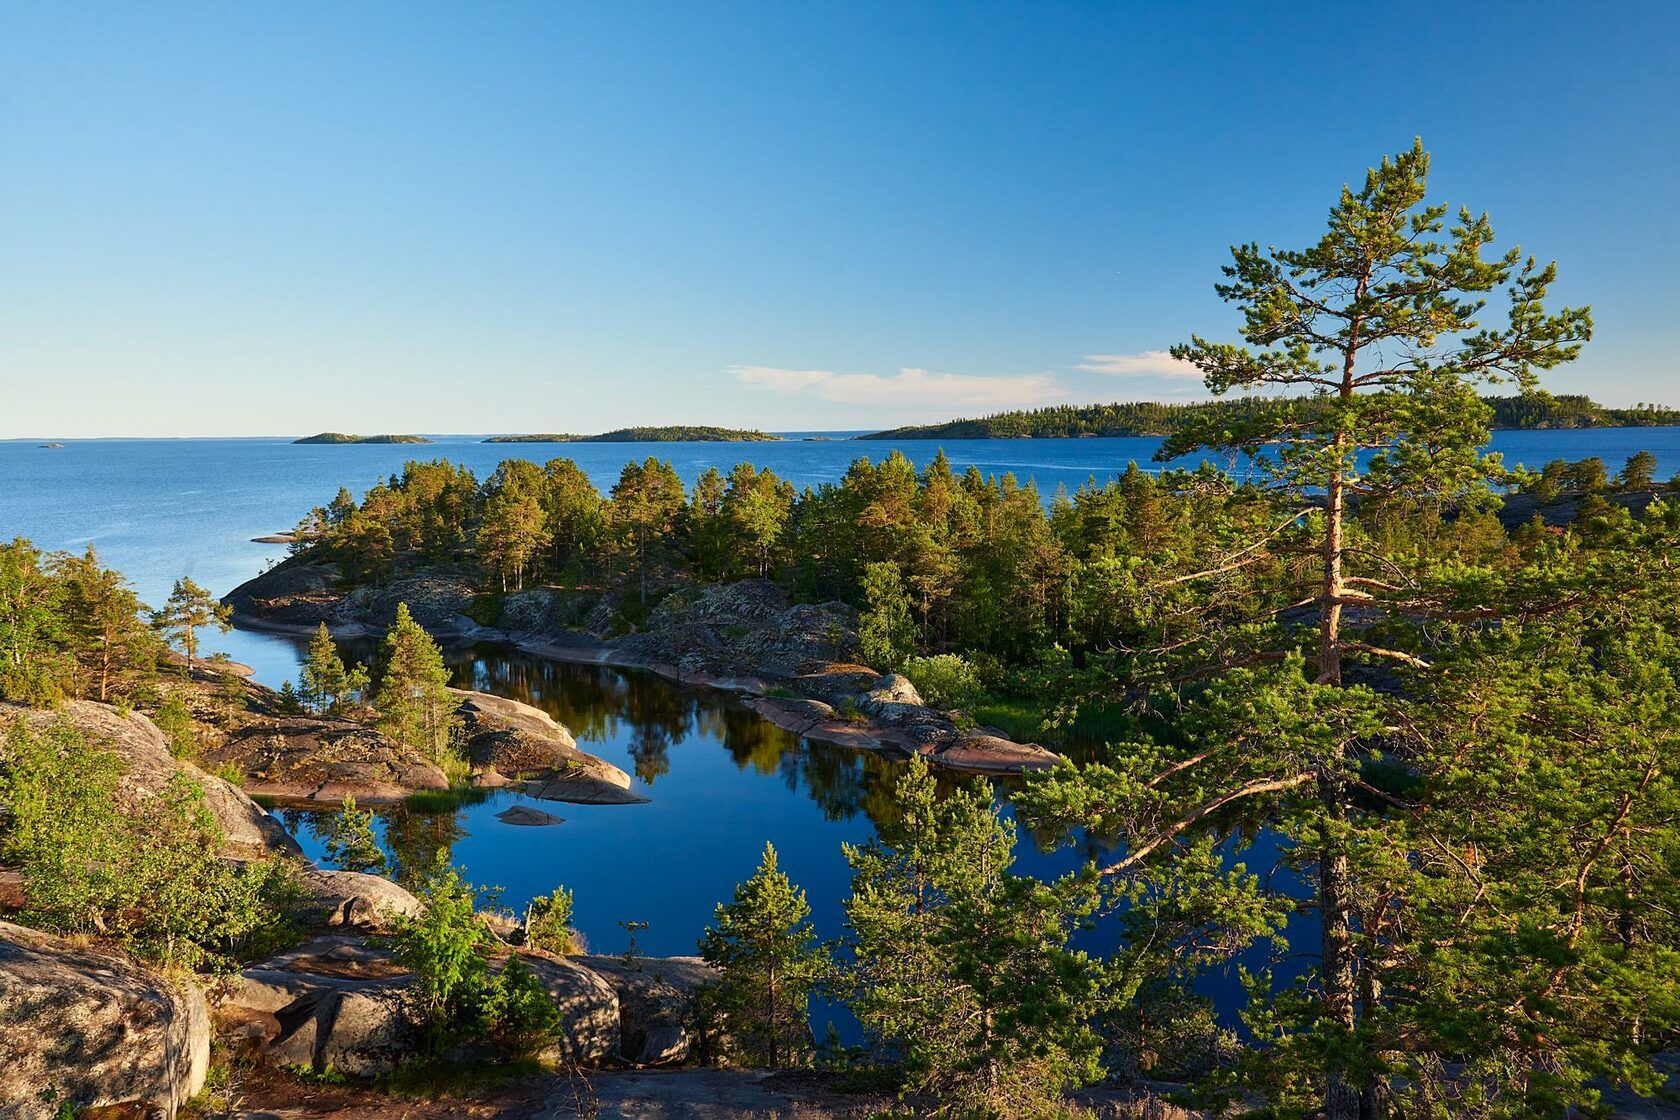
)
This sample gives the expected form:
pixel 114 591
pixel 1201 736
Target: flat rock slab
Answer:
pixel 580 791
pixel 527 817
pixel 989 754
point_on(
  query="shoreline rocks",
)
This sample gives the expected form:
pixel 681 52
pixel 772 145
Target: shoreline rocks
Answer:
pixel 792 664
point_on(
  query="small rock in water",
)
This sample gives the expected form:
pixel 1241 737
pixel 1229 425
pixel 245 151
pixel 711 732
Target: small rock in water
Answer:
pixel 525 815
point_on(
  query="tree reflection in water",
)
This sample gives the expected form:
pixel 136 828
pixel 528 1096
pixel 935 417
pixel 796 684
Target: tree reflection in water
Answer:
pixel 649 717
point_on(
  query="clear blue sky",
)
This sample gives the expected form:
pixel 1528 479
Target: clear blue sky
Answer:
pixel 283 217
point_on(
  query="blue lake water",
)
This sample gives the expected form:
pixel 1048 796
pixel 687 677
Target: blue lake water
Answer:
pixel 721 781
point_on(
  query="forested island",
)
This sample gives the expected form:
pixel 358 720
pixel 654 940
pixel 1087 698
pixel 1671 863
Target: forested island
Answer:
pixel 341 437
pixel 1389 733
pixel 671 433
pixel 1154 418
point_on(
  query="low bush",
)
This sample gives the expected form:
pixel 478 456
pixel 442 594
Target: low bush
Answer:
pixel 945 680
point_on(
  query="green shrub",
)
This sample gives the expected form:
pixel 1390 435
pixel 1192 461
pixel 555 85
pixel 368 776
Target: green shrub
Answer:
pixel 176 723
pixel 548 923
pixel 151 876
pixel 444 948
pixel 518 1013
pixel 945 680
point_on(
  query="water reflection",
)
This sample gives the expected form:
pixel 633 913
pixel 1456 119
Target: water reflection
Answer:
pixel 721 782
pixel 653 716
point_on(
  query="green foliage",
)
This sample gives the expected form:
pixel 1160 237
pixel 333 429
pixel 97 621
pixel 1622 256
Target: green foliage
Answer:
pixel 289 703
pixel 964 969
pixel 147 871
pixel 886 630
pixel 176 722
pixel 944 680
pixel 350 842
pixel 69 627
pixel 548 923
pixel 518 1013
pixel 1529 410
pixel 769 963
pixel 413 698
pixel 445 949
pixel 327 687
pixel 190 610
pixel 1640 472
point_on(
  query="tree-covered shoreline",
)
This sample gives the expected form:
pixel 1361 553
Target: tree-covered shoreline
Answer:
pixel 1523 412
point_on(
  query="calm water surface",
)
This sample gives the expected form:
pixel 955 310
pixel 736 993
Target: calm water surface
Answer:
pixel 721 781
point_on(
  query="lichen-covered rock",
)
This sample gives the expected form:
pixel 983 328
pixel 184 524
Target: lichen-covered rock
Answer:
pixel 744 629
pixel 510 743
pixel 302 592
pixel 655 1004
pixel 368 1032
pixel 353 900
pixel 588 1006
pixel 95 1029
pixel 307 758
pixel 148 766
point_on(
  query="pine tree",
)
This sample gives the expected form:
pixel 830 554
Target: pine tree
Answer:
pixel 886 629
pixel 415 705
pixel 963 969
pixel 326 685
pixel 104 627
pixel 32 669
pixel 349 840
pixel 514 528
pixel 1372 336
pixel 189 610
pixel 769 962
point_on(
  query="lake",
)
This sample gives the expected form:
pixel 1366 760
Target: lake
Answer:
pixel 721 781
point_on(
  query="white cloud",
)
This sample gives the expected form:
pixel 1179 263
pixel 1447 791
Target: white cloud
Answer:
pixel 1149 363
pixel 908 387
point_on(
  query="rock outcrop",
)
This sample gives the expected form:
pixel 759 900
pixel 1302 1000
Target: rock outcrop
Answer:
pixel 338 1001
pixel 655 1004
pixel 300 593
pixel 310 758
pixel 794 665
pixel 354 900
pixel 515 744
pixel 147 766
pixel 95 1029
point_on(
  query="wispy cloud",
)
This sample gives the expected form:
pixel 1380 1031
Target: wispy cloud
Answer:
pixel 906 388
pixel 1148 363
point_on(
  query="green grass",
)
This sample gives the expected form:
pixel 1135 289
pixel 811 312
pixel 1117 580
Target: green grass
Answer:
pixel 436 1077
pixel 444 800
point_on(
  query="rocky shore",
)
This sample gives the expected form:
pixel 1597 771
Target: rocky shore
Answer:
pixel 81 1020
pixel 796 665
pixel 306 759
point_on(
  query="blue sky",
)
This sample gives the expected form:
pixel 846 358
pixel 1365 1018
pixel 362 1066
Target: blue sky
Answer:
pixel 280 218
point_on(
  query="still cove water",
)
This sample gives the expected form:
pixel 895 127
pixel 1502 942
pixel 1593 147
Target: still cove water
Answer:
pixel 721 781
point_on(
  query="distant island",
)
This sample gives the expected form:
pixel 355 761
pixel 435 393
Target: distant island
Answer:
pixel 1155 418
pixel 671 433
pixel 340 437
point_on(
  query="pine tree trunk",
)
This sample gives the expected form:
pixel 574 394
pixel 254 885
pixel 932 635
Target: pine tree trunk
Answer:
pixel 1335 898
